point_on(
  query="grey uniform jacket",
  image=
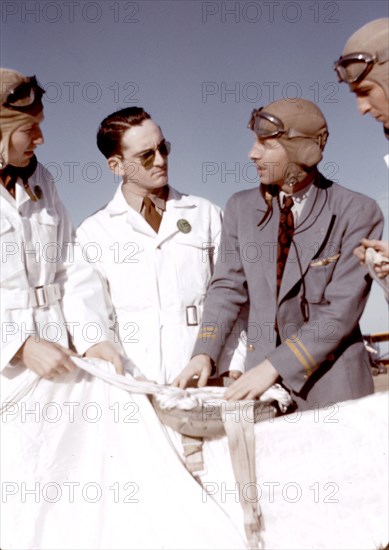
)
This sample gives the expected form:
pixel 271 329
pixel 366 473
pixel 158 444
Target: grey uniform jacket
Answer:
pixel 321 360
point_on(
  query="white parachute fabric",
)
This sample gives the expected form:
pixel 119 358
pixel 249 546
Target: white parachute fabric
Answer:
pixel 93 468
pixel 322 477
pixel 85 464
pixel 336 460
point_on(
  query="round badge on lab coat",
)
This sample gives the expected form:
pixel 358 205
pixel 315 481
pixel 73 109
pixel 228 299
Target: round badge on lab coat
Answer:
pixel 184 226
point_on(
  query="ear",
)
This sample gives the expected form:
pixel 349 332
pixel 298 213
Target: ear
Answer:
pixel 115 164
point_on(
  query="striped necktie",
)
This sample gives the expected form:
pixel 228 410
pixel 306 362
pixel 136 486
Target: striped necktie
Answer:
pixel 285 236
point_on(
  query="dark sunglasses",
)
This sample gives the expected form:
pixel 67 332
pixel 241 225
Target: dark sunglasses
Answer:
pixel 147 157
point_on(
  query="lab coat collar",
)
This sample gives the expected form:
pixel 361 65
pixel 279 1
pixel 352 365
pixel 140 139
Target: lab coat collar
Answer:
pixel 118 205
pixel 176 201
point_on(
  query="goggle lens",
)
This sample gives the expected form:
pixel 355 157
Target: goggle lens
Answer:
pixel 264 128
pixel 353 70
pixel 265 125
pixel 26 97
pixel 23 95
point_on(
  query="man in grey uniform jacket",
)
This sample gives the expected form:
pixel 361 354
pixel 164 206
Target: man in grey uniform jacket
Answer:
pixel 304 314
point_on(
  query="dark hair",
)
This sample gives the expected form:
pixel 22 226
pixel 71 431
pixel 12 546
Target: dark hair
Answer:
pixel 111 130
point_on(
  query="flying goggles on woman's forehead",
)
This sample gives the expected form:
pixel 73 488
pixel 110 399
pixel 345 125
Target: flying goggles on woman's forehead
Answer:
pixel 354 67
pixel 266 125
pixel 25 97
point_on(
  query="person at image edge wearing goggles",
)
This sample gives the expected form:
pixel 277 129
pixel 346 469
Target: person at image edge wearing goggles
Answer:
pixel 32 218
pixel 364 66
pixel 306 289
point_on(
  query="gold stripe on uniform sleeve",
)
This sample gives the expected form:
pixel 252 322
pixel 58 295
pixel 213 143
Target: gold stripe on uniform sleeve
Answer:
pixel 299 356
pixel 208 330
pixel 308 355
pixel 206 335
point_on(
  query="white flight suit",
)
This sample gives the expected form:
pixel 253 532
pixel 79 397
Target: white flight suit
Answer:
pixel 39 264
pixel 157 282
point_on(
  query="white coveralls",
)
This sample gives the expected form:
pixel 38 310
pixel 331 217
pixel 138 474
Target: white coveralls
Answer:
pixel 157 282
pixel 38 266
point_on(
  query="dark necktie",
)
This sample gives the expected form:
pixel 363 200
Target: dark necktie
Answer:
pixel 152 216
pixel 285 235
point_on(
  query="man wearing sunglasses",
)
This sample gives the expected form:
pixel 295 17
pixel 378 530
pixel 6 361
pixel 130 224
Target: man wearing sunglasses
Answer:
pixel 306 290
pixel 158 248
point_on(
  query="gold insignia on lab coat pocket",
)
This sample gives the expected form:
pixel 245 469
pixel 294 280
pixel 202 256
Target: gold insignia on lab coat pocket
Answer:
pixel 184 226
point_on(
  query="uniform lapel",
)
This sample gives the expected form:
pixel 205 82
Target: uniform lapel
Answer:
pixel 313 226
pixel 267 236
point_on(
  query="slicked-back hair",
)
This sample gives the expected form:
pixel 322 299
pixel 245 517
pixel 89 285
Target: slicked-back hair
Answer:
pixel 112 128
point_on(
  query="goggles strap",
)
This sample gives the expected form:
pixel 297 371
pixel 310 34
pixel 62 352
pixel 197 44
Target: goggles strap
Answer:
pixel 382 56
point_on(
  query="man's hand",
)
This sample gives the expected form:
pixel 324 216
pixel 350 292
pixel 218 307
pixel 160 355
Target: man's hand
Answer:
pixel 107 351
pixel 253 382
pixel 199 365
pixel 47 359
pixel 382 270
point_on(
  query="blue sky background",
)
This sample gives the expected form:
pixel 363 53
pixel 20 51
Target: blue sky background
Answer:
pixel 199 68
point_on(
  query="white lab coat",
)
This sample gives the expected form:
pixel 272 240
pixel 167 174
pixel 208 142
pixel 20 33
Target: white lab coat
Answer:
pixel 157 282
pixel 37 251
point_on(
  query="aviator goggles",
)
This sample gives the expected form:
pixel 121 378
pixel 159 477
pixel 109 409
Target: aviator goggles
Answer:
pixel 146 158
pixel 26 97
pixel 268 126
pixel 354 67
